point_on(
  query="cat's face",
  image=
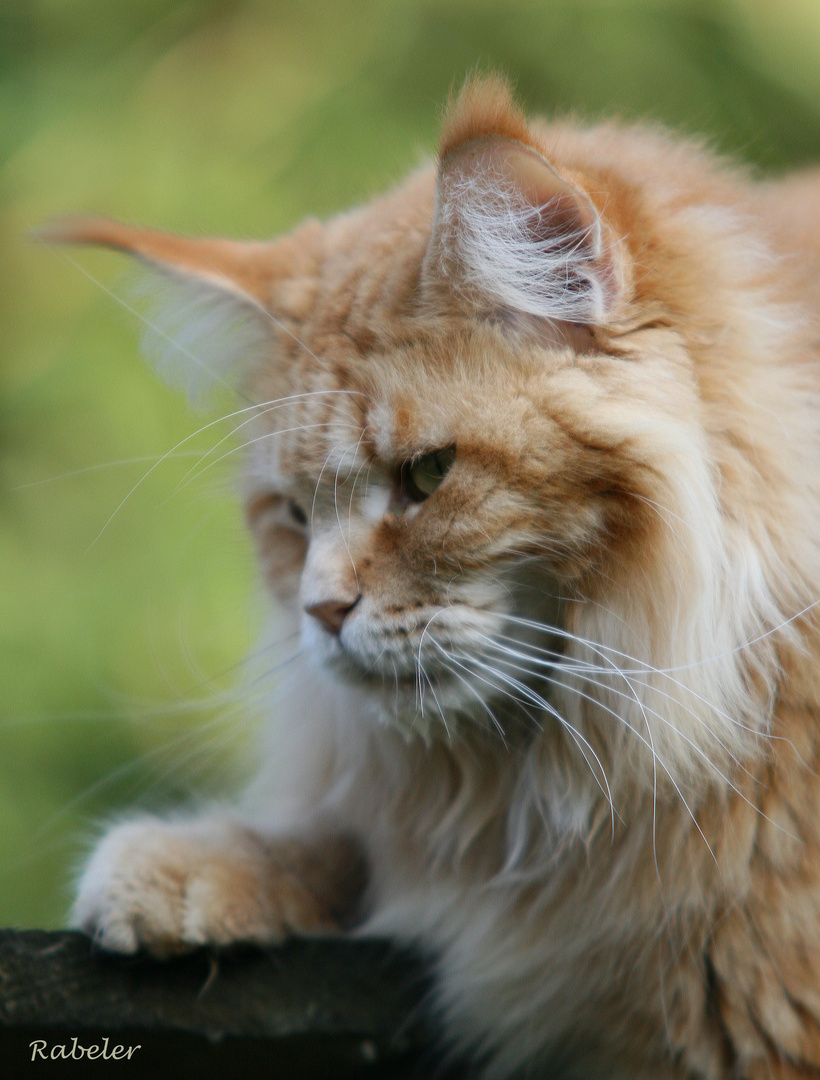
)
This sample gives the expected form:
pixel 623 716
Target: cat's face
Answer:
pixel 439 481
pixel 420 504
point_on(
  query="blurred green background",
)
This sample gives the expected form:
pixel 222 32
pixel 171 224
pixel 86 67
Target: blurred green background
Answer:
pixel 121 642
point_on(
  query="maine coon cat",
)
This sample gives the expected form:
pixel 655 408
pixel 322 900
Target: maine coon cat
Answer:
pixel 533 469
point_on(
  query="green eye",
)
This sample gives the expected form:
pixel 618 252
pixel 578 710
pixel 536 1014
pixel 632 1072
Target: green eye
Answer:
pixel 421 476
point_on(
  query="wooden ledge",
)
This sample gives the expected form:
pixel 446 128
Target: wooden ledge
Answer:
pixel 312 1009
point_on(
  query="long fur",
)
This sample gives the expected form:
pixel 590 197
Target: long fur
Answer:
pixel 569 719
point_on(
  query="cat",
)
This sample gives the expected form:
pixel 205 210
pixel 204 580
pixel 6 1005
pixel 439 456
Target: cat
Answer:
pixel 533 472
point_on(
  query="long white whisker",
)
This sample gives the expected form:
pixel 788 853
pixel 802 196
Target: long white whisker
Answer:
pixel 364 465
pixel 336 506
pixel 645 669
pixel 587 673
pixel 142 318
pixel 205 427
pixel 265 410
pixel 484 704
pixel 541 703
pixel 544 704
pixel 582 667
pixel 142 459
pixel 647 711
pixel 429 681
pixel 244 445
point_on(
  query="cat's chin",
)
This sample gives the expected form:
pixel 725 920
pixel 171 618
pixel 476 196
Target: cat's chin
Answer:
pixel 437 708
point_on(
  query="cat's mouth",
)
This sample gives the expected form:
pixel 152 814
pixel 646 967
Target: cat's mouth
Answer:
pixel 494 657
pixel 404 674
pixel 382 676
pixel 495 674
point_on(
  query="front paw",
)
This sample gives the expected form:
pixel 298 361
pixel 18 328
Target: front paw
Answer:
pixel 167 887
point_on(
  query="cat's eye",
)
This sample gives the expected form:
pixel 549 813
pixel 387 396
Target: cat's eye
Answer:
pixel 421 476
pixel 297 513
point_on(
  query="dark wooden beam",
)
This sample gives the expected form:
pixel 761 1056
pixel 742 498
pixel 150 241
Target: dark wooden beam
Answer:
pixel 313 1008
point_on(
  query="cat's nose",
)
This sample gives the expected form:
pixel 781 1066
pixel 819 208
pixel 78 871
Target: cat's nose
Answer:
pixel 332 613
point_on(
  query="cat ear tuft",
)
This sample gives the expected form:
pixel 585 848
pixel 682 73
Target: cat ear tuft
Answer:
pixel 484 106
pixel 205 300
pixel 508 228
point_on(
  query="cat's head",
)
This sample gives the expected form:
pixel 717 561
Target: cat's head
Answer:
pixel 492 422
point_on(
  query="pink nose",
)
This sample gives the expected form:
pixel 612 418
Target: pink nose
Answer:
pixel 331 613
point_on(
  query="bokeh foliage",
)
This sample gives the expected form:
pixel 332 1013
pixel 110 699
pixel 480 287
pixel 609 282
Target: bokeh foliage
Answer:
pixel 239 117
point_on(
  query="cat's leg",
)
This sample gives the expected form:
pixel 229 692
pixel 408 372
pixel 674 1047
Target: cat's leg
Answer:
pixel 167 886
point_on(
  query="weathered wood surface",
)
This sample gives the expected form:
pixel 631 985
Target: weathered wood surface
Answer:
pixel 330 1008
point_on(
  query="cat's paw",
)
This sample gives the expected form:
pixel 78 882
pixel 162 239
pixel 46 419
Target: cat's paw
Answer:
pixel 167 887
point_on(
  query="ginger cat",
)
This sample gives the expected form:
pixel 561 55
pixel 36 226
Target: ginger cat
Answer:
pixel 533 468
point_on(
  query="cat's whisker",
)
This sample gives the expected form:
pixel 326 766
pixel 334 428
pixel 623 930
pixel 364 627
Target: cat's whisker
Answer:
pixel 205 427
pixel 666 673
pixel 429 682
pixel 419 686
pixel 231 708
pixel 541 703
pixel 653 751
pixel 582 668
pixel 449 657
pixel 646 711
pixel 142 459
pixel 142 318
pixel 134 766
pixel 587 673
pixel 701 753
pixel 336 505
pixel 585 670
pixel 452 670
pixel 662 512
pixel 318 482
pixel 395 685
pixel 366 464
pixel 284 403
pixel 419 650
pixel 195 475
pixel 646 669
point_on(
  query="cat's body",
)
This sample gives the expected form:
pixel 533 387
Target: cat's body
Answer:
pixel 537 480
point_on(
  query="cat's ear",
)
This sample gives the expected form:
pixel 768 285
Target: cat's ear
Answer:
pixel 242 268
pixel 205 301
pixel 509 228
